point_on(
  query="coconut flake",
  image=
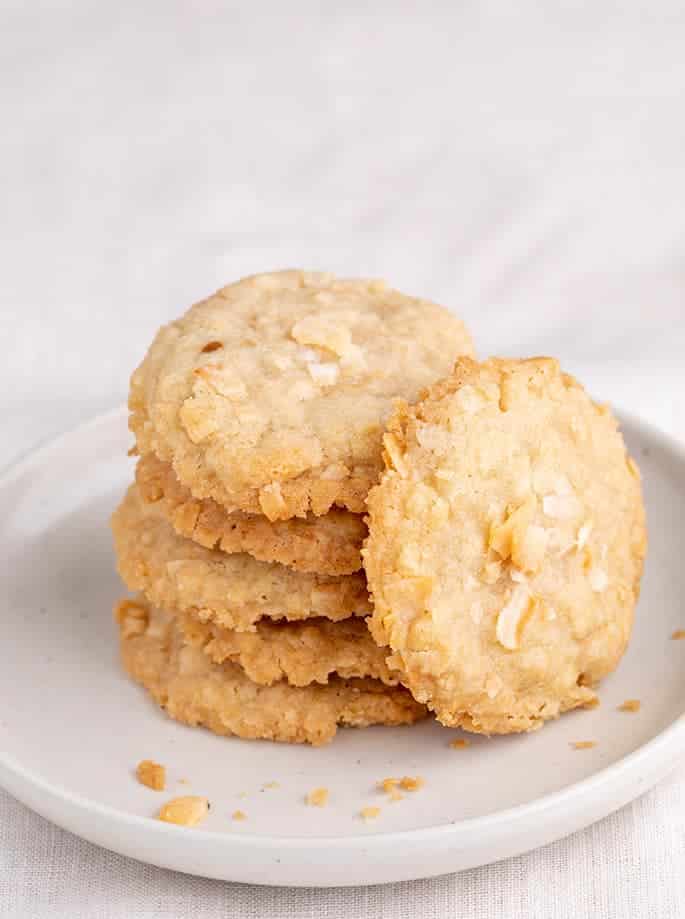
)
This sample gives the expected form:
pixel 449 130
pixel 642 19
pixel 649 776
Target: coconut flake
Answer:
pixel 469 399
pixel 560 507
pixel 599 580
pixel 353 359
pixel 528 549
pixel 583 534
pixel 510 616
pixel 324 374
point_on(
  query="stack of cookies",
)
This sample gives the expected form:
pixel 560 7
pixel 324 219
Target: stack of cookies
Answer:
pixel 259 419
pixel 506 527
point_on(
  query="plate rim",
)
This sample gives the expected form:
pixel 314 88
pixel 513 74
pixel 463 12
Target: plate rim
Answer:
pixel 652 757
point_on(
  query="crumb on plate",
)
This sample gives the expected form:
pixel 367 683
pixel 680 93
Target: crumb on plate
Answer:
pixel 151 774
pixel 318 797
pixel 186 811
pixel 678 635
pixel 412 783
pixel 391 789
pixel 630 705
pixel 460 743
pixel 584 744
pixel 238 815
pixel 388 784
pixel 369 813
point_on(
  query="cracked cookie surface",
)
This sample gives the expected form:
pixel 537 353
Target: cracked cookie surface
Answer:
pixel 506 545
pixel 232 590
pixel 299 652
pixel 221 697
pixel 271 395
pixel 330 544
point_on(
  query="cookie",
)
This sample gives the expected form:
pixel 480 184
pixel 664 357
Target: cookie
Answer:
pixel 330 544
pixel 233 590
pixel 271 395
pixel 193 690
pixel 299 652
pixel 506 544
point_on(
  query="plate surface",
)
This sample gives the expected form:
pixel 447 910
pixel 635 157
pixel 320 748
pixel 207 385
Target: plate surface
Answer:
pixel 72 726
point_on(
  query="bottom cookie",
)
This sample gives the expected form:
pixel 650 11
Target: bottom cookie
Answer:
pixel 193 690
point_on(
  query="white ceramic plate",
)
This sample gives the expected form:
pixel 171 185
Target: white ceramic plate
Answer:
pixel 72 727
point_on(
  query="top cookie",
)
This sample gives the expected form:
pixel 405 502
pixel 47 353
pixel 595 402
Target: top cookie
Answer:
pixel 506 545
pixel 271 395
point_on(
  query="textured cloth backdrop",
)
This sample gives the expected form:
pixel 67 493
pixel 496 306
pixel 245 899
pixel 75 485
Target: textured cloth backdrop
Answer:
pixel 521 162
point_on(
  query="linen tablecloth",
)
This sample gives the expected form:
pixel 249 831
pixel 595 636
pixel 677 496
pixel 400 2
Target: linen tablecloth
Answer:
pixel 522 163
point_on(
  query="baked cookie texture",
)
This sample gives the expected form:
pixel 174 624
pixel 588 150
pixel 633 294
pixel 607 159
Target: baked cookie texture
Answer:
pixel 271 395
pixel 234 591
pixel 299 652
pixel 330 544
pixel 193 690
pixel 506 545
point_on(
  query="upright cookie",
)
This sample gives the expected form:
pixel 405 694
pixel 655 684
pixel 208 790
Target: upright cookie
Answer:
pixel 233 590
pixel 330 544
pixel 193 690
pixel 506 545
pixel 299 652
pixel 270 396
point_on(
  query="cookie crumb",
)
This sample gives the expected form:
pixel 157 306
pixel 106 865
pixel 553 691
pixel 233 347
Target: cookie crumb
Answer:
pixel 390 787
pixel 678 635
pixel 584 744
pixel 412 783
pixel 186 811
pixel 132 617
pixel 460 743
pixel 592 703
pixel 211 346
pixel 318 797
pixel 387 785
pixel 630 705
pixel 183 782
pixel 369 813
pixel 238 815
pixel 270 785
pixel 151 774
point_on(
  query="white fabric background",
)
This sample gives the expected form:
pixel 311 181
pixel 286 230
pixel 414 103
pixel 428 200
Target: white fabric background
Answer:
pixel 522 162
